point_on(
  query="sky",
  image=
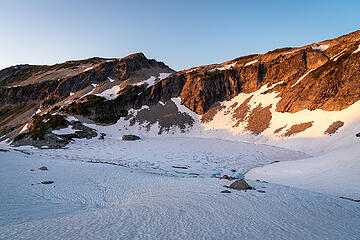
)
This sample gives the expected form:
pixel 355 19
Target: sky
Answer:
pixel 182 34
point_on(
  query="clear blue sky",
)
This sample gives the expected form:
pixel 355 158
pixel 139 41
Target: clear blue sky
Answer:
pixel 180 33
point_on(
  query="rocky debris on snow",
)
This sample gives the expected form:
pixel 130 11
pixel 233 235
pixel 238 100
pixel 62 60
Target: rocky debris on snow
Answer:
pixel 130 137
pixel 47 182
pixel 227 177
pixel 225 191
pixel 22 151
pixel 298 128
pixel 43 168
pixel 3 150
pixel 261 191
pixel 166 114
pixel 41 132
pixel 334 127
pixel 347 198
pixel 102 136
pixel 357 135
pixel 181 167
pixel 259 119
pixel 241 184
pixel 260 181
pixel 276 161
pixel 31 170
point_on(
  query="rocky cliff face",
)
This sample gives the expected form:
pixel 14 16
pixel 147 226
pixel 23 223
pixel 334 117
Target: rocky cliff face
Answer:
pixel 49 87
pixel 324 75
pixel 332 82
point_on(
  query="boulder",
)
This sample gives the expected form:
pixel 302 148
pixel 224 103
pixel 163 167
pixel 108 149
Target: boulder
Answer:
pixel 240 184
pixel 130 137
pixel 225 191
pixel 47 182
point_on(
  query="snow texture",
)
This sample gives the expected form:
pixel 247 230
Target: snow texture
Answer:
pixel 103 201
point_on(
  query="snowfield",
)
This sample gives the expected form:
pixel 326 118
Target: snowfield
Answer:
pixel 168 187
pixel 336 173
pixel 175 156
pixel 102 201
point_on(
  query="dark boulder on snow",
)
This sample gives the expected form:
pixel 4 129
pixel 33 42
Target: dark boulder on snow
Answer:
pixel 47 182
pixel 357 135
pixel 240 184
pixel 227 177
pixel 225 191
pixel 130 137
pixel 43 168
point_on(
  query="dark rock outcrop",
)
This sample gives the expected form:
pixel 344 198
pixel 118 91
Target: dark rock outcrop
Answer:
pixel 240 184
pixel 130 138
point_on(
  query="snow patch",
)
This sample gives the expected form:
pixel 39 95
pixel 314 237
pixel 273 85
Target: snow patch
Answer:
pixel 321 47
pixel 71 118
pixel 64 131
pixel 164 75
pixel 252 62
pixel 150 82
pixel 24 128
pixel 226 67
pixel 111 93
pixel 302 77
pixel 87 69
pixel 336 57
pixel 357 50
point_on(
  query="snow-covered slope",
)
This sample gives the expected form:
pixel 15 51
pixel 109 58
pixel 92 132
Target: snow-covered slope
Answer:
pixel 336 173
pixel 93 201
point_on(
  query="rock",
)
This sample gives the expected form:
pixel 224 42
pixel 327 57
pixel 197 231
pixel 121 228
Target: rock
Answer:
pixel 47 182
pixel 43 168
pixel 276 161
pixel 3 150
pixel 130 137
pixel 258 180
pixel 240 184
pixel 181 167
pixel 31 170
pixel 225 191
pixel 347 198
pixel 102 135
pixel 357 135
pixel 227 177
pixel 261 191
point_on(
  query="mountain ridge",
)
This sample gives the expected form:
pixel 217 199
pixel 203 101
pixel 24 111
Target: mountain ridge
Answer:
pixel 319 76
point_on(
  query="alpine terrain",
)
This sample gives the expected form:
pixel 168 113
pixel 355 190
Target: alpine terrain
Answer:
pixel 264 146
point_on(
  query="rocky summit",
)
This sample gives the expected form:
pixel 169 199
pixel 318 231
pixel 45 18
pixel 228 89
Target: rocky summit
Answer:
pixel 250 94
